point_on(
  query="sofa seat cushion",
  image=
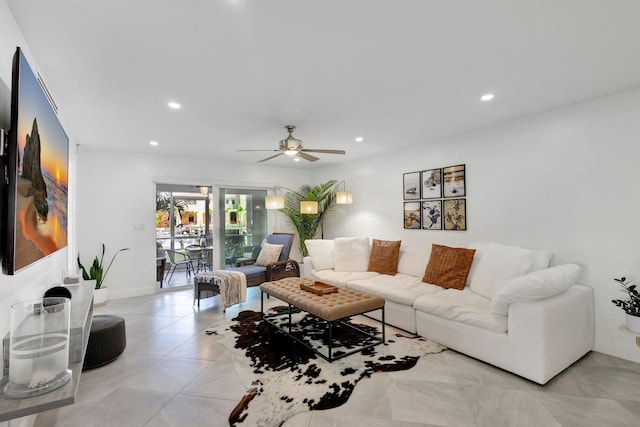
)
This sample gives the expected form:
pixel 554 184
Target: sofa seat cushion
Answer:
pixel 401 288
pixel 341 278
pixel 463 306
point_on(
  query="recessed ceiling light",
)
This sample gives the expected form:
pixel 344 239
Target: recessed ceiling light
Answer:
pixel 154 143
pixel 359 139
pixel 296 159
pixel 486 97
pixel 174 105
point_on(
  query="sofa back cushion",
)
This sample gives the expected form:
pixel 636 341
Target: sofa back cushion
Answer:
pixel 448 267
pixel 321 251
pixel 535 285
pixel 500 263
pixel 413 258
pixel 351 253
pixel 384 256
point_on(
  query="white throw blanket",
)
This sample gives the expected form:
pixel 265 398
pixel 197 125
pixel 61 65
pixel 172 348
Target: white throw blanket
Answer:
pixel 233 285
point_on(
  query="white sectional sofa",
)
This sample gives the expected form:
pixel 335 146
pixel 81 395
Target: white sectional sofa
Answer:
pixel 514 312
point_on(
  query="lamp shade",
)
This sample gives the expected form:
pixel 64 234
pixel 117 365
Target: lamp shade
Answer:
pixel 344 197
pixel 309 207
pixel 274 202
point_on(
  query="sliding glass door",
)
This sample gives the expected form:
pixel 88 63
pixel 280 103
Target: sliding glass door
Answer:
pixel 243 224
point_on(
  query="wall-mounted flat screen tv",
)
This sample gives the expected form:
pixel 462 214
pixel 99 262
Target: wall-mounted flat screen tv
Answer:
pixel 37 166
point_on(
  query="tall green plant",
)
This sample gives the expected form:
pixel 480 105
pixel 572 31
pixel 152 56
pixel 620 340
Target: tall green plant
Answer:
pixel 307 225
pixel 96 271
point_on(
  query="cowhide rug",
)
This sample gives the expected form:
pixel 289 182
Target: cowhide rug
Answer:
pixel 284 378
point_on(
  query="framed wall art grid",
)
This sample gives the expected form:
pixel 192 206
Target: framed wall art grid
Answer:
pixel 435 199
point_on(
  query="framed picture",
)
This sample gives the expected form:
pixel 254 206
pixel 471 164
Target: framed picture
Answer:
pixel 412 215
pixel 411 186
pixel 455 214
pixel 432 215
pixel 432 184
pixel 454 181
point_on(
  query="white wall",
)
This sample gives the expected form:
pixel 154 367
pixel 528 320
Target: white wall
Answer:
pixel 117 190
pixel 566 180
pixel 33 281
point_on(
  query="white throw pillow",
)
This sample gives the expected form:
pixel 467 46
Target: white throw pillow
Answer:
pixel 413 258
pixel 322 253
pixel 351 253
pixel 497 265
pixel 269 254
pixel 536 285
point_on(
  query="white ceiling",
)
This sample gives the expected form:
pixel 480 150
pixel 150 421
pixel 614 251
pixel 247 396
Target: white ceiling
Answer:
pixel 396 72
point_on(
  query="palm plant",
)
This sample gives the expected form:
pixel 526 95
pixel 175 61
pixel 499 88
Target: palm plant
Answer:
pixel 307 224
pixel 163 204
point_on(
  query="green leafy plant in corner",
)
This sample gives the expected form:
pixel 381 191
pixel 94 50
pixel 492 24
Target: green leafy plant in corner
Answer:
pixel 631 306
pixel 307 225
pixel 97 271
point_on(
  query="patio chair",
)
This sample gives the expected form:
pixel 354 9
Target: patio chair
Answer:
pixel 284 267
pixel 177 259
pixel 230 254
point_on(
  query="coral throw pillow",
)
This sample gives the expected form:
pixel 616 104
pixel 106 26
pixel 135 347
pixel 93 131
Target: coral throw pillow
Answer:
pixel 448 267
pixel 384 256
pixel 269 254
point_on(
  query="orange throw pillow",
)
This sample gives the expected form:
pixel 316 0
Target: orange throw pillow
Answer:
pixel 448 267
pixel 384 256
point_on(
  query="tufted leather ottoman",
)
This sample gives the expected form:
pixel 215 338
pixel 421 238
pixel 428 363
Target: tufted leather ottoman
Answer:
pixel 330 307
pixel 107 341
pixel 338 305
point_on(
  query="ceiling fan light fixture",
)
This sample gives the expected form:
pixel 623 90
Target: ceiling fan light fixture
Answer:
pixel 292 147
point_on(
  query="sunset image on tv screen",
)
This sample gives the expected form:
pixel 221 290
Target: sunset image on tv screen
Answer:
pixel 42 180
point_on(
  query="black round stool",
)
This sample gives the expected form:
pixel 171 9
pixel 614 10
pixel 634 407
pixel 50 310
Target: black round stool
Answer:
pixel 107 341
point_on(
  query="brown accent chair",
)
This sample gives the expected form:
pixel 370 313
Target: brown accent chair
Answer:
pixel 284 267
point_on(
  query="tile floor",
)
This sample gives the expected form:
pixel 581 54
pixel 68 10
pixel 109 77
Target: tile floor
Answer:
pixel 172 374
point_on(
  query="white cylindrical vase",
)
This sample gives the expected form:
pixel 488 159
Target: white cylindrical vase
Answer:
pixel 38 346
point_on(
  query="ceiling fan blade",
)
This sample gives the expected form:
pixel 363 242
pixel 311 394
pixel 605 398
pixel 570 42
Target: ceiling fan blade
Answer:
pixel 307 156
pixel 311 150
pixel 271 157
pixel 259 150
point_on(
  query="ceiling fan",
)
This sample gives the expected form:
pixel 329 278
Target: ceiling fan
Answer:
pixel 293 147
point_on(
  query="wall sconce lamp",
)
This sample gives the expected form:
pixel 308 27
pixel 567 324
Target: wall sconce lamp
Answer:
pixel 204 190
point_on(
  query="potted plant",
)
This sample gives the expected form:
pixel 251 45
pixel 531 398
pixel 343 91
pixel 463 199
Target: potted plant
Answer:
pixel 630 306
pixel 307 225
pixel 98 273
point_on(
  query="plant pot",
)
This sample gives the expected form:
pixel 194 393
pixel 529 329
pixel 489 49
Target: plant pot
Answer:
pixel 100 296
pixel 633 323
